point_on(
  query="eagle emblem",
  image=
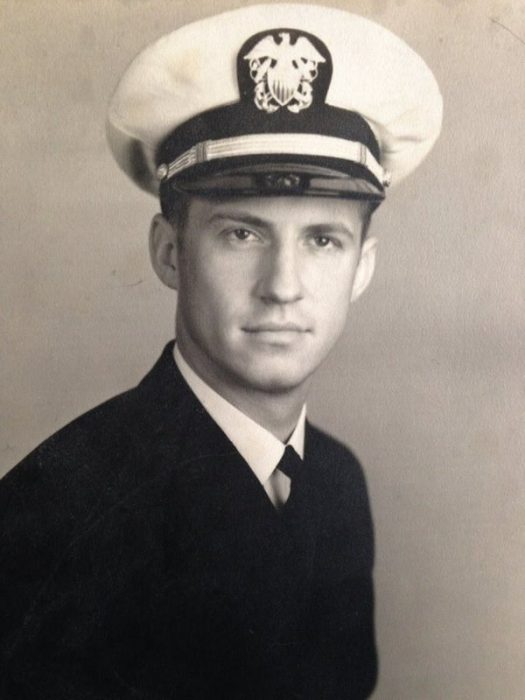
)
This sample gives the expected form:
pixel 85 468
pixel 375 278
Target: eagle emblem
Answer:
pixel 283 72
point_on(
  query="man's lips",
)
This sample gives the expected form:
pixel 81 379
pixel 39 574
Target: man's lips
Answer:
pixel 276 328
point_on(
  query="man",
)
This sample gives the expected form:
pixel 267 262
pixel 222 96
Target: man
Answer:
pixel 195 537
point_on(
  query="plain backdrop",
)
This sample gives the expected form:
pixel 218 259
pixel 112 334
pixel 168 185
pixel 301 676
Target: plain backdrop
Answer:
pixel 428 383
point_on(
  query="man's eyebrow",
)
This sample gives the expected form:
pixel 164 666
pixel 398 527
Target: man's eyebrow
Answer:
pixel 240 216
pixel 327 229
pixel 252 220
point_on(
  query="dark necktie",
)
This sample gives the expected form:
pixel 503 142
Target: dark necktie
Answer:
pixel 290 463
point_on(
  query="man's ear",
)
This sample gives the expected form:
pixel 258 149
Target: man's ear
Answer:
pixel 163 250
pixel 365 268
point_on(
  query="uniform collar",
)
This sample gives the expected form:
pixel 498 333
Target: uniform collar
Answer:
pixel 257 446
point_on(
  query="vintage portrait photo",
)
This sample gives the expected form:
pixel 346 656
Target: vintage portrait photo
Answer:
pixel 262 362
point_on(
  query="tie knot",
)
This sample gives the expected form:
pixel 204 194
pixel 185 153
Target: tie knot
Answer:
pixel 290 463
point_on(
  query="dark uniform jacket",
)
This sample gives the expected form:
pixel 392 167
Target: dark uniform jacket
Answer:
pixel 141 558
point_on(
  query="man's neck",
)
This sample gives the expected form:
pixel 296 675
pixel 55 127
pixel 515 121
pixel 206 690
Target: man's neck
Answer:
pixel 277 412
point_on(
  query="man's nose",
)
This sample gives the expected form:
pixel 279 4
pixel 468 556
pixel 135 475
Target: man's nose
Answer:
pixel 280 280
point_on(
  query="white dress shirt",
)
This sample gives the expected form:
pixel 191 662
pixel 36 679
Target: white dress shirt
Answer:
pixel 258 447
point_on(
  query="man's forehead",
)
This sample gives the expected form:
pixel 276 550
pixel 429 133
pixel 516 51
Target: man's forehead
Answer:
pixel 279 211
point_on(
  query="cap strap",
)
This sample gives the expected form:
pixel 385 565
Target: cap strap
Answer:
pixel 275 144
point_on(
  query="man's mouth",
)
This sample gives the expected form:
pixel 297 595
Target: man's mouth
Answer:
pixel 276 328
pixel 277 335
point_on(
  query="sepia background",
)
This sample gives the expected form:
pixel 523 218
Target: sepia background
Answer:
pixel 428 383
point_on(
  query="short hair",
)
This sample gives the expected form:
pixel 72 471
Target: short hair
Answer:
pixel 175 205
pixel 367 218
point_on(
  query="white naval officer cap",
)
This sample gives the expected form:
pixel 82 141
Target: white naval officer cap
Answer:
pixel 275 99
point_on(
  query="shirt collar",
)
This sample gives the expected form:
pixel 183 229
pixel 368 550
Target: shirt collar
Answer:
pixel 257 446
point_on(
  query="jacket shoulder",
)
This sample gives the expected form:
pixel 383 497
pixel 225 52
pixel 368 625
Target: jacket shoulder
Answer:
pixel 97 436
pixel 340 485
pixel 49 499
pixel 331 454
pixel 56 494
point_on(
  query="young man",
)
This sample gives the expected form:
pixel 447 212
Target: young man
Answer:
pixel 196 537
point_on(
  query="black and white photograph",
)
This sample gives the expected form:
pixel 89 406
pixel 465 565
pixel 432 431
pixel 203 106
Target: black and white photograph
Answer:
pixel 262 321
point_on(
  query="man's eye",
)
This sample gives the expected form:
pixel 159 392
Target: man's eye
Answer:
pixel 321 241
pixel 241 234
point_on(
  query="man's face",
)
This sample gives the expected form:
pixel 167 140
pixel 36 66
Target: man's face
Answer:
pixel 264 286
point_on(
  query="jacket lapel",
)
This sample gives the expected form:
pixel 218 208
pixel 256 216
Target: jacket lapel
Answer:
pixel 180 437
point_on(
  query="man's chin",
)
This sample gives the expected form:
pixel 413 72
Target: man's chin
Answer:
pixel 279 380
